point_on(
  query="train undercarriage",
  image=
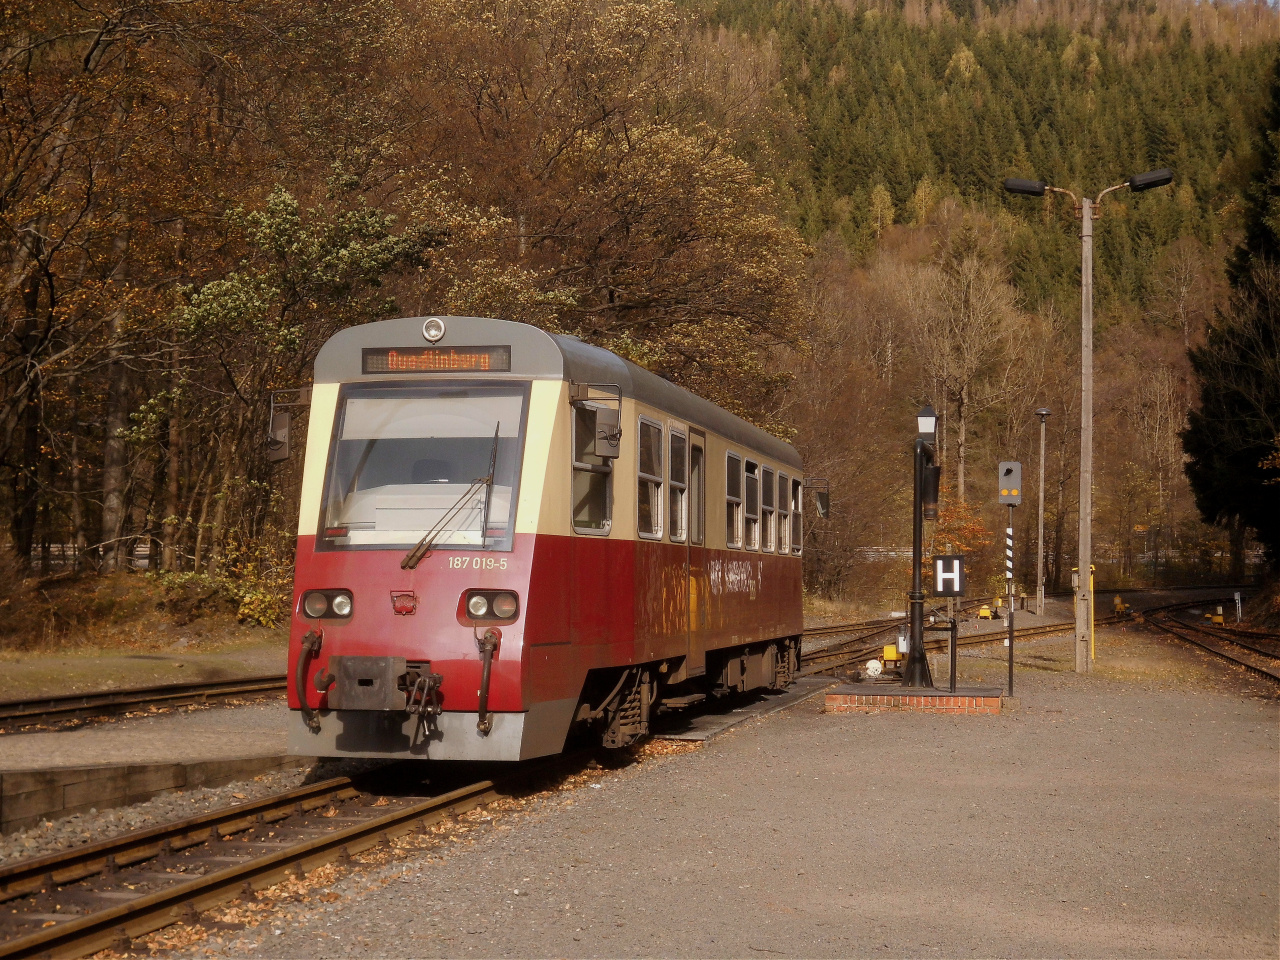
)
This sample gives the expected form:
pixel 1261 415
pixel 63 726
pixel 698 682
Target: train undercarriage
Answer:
pixel 618 705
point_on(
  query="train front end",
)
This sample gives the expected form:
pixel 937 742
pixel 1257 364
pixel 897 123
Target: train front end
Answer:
pixel 425 456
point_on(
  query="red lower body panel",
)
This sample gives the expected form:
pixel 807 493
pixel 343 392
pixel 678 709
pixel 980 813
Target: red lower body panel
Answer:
pixel 586 603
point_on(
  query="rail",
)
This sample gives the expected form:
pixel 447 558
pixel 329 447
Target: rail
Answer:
pixel 1256 651
pixel 23 714
pixel 302 829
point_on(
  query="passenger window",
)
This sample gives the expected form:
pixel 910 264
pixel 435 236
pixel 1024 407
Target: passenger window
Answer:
pixel 784 521
pixel 592 476
pixel 678 477
pixel 697 495
pixel 733 500
pixel 766 509
pixel 753 506
pixel 797 494
pixel 649 514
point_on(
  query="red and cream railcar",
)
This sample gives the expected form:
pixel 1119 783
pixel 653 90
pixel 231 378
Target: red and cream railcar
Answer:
pixel 507 535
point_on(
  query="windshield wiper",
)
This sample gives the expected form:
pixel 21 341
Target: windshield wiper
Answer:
pixel 414 556
pixel 488 494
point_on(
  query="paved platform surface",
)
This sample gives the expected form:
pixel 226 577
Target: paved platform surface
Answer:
pixel 703 724
pixel 1131 813
pixel 203 733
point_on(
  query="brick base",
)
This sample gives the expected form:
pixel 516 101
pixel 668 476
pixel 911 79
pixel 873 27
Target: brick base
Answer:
pixel 874 703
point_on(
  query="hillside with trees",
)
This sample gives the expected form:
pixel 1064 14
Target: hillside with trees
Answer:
pixel 930 283
pixel 790 208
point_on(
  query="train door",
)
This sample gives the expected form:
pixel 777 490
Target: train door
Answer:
pixel 697 546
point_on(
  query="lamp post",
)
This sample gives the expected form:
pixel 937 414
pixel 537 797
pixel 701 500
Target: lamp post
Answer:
pixel 1086 212
pixel 1043 414
pixel 915 672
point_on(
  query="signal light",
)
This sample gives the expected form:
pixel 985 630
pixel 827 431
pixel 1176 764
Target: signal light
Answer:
pixel 1010 483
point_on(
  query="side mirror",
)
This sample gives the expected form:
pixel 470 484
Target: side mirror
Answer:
pixel 608 432
pixel 823 499
pixel 278 440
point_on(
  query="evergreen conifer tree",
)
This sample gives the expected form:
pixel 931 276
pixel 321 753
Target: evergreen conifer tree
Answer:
pixel 1232 440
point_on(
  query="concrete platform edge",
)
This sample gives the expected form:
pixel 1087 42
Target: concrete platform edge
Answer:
pixel 29 796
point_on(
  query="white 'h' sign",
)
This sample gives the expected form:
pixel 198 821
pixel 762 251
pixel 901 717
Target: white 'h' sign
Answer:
pixel 948 576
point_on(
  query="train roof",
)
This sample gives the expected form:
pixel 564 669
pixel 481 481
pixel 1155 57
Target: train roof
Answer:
pixel 537 354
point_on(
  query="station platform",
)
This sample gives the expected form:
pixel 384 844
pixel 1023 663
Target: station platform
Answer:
pixel 111 763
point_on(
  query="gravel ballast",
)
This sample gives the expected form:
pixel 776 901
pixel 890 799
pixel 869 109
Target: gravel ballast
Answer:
pixel 81 828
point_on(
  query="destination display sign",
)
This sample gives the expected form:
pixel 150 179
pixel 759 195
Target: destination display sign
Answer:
pixel 436 359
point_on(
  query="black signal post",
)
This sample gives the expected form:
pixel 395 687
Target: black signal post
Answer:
pixel 915 672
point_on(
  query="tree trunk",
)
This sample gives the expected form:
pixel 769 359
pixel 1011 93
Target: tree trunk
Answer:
pixel 1236 530
pixel 25 485
pixel 961 401
pixel 114 455
pixel 218 531
pixel 173 465
pixel 1058 524
pixel 217 536
pixel 114 445
pixel 77 479
pixel 200 534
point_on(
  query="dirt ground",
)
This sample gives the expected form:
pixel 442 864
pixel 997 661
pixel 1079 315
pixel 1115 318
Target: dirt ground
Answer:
pixel 29 675
pixel 1132 812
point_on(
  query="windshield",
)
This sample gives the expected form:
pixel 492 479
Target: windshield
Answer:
pixel 402 457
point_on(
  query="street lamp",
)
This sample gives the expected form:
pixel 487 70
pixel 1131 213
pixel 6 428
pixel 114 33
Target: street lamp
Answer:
pixel 1086 212
pixel 1043 414
pixel 915 672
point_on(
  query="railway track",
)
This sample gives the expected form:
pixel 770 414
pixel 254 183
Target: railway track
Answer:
pixel 103 895
pixel 1256 651
pixel 18 715
pixel 821 661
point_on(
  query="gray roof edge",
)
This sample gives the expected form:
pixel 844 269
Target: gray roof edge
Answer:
pixel 586 363
pixel 536 353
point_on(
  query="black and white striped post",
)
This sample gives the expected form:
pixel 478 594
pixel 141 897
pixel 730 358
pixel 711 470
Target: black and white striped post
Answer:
pixel 1008 575
pixel 1011 494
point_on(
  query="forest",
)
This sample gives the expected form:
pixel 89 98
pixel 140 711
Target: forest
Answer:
pixel 792 209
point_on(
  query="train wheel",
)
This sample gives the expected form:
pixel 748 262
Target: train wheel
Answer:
pixel 627 717
pixel 786 661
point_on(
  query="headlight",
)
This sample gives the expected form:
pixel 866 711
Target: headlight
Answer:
pixel 327 604
pixel 504 606
pixel 480 607
pixel 315 605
